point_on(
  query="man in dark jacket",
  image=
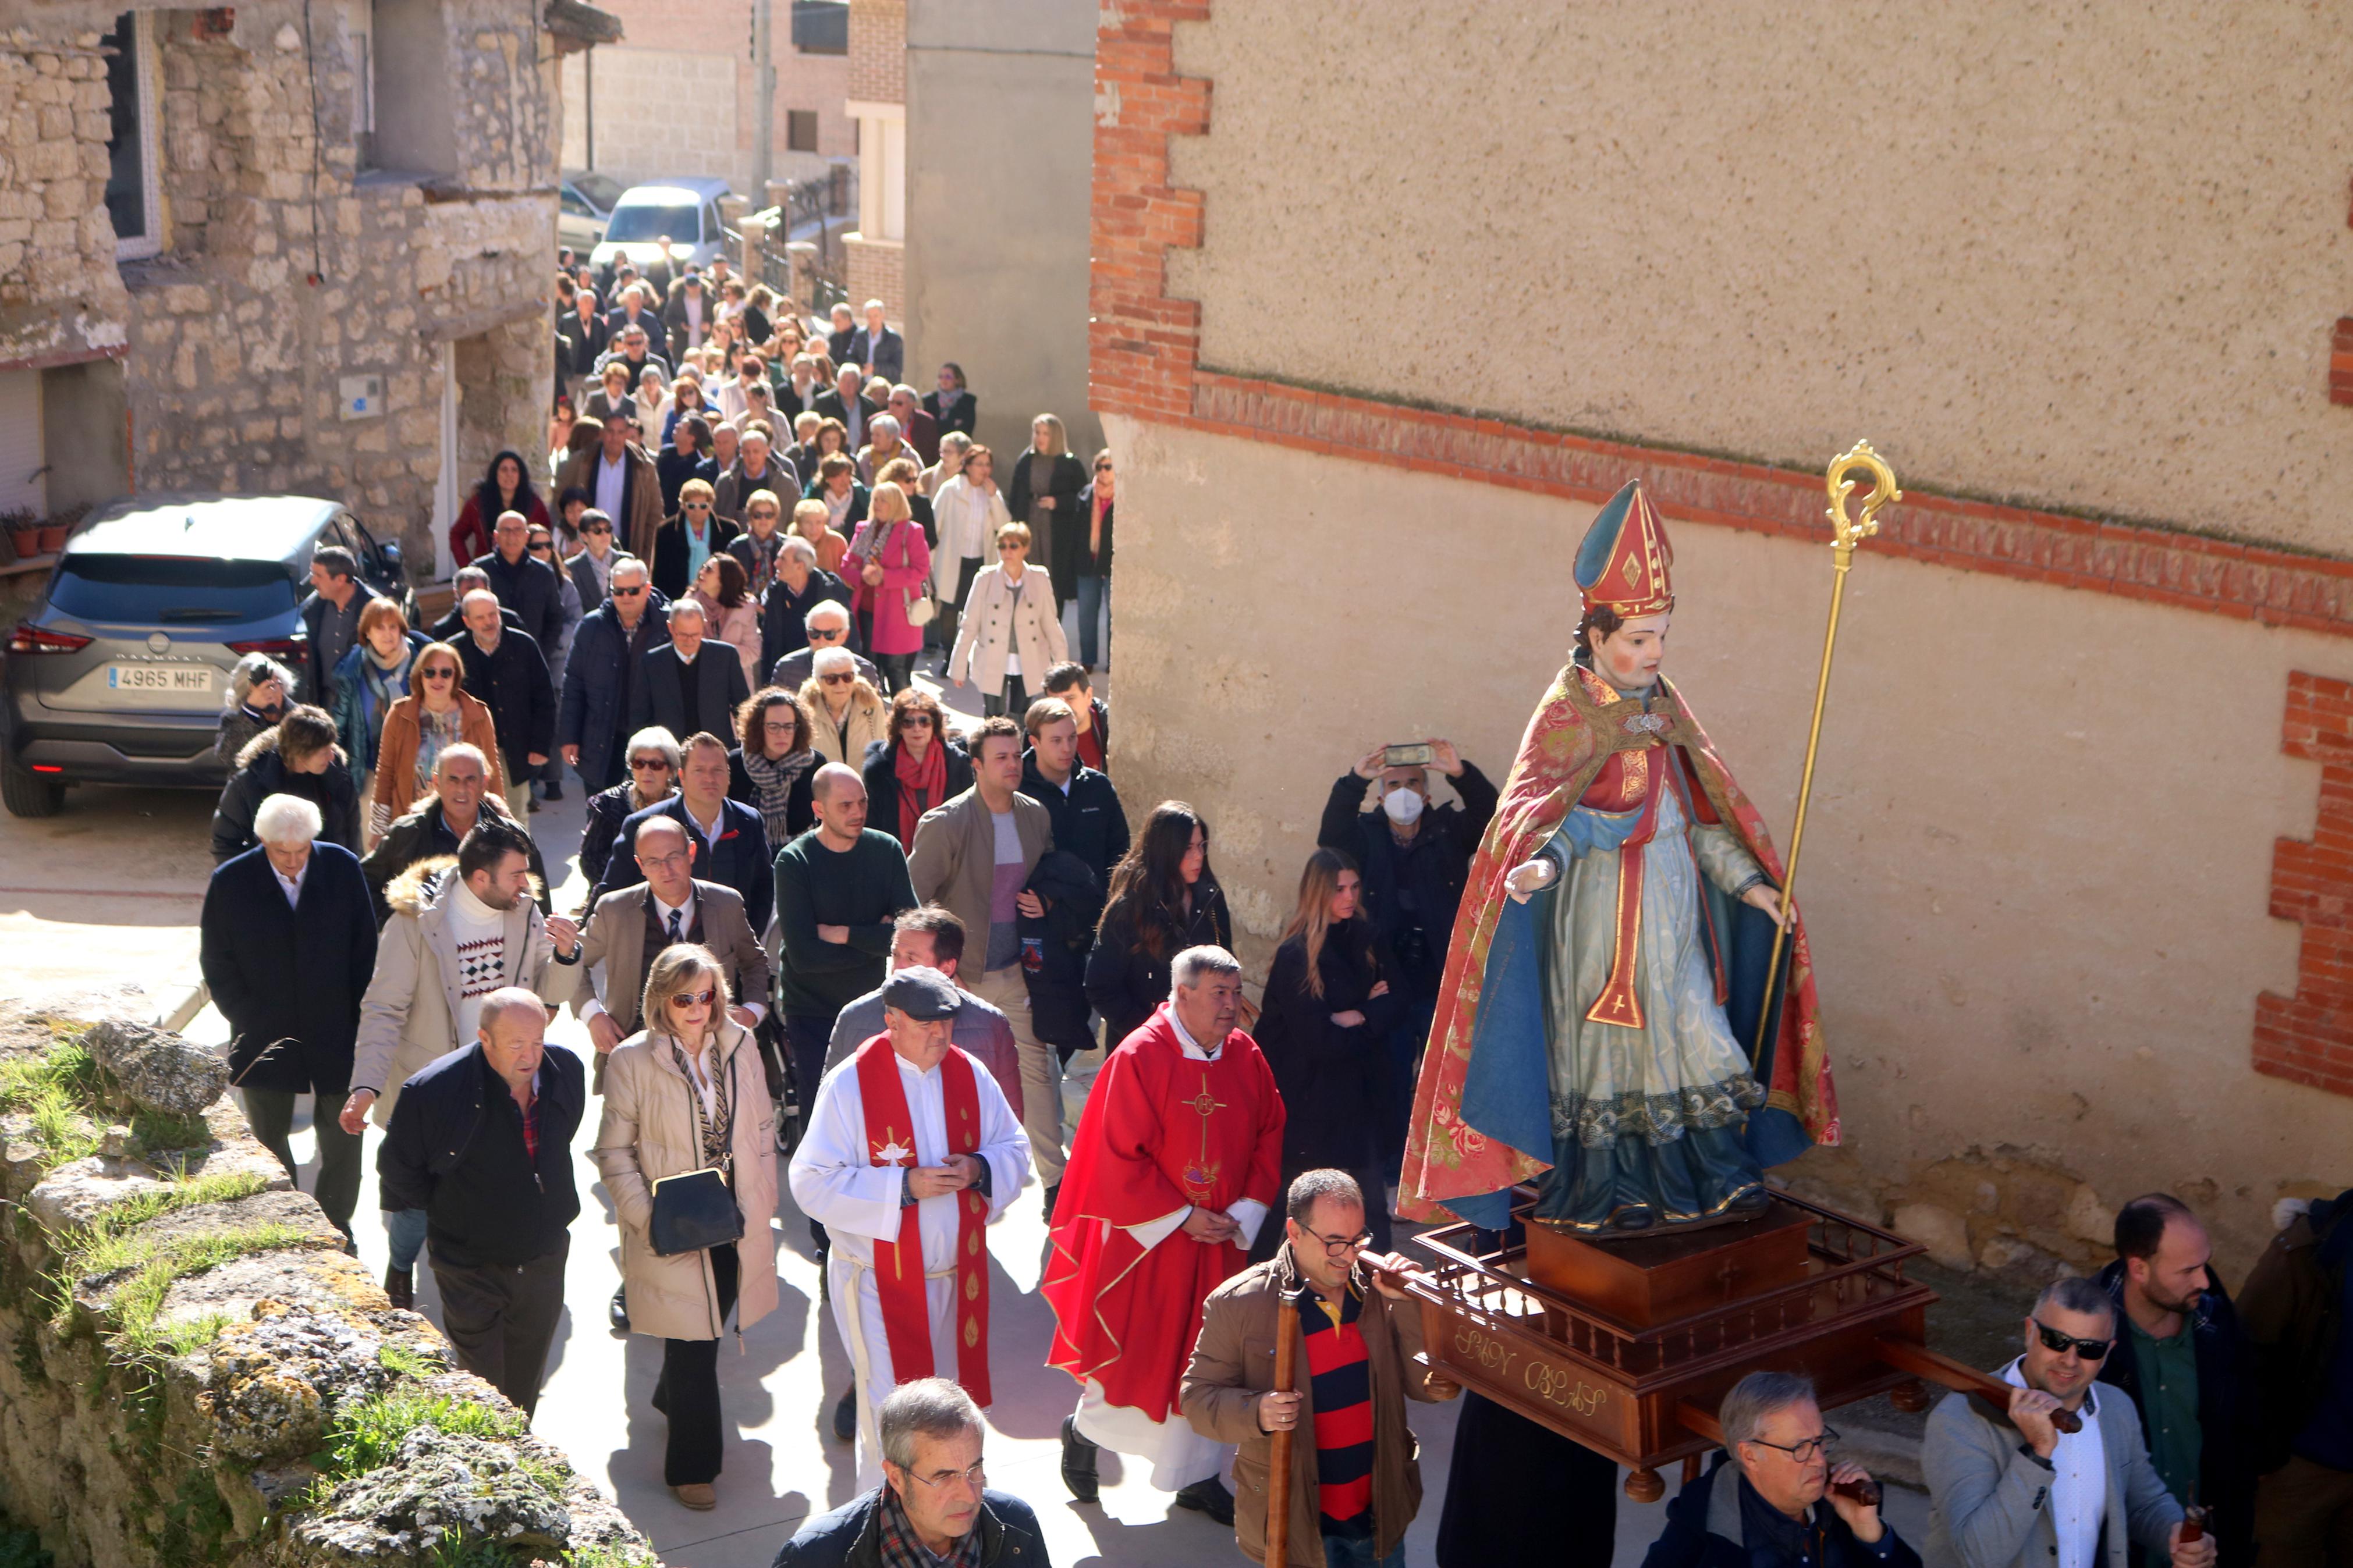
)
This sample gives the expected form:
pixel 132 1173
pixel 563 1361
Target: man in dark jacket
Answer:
pixel 932 1499
pixel 438 824
pixel 847 402
pixel 507 671
pixel 883 352
pixel 1414 859
pixel 525 585
pixel 691 686
pixel 730 840
pixel 2295 1306
pixel 466 580
pixel 1086 809
pixel 1766 1503
pixel 288 945
pixel 481 1141
pixel 331 619
pixel 799 586
pixel 2186 1363
pixel 601 676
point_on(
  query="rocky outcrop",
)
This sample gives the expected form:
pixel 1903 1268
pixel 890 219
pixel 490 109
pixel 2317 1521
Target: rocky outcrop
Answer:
pixel 157 1069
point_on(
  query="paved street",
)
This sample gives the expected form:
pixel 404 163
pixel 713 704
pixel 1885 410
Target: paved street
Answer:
pixel 110 890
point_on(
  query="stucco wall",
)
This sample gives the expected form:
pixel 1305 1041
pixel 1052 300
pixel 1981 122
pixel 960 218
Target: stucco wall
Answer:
pixel 2082 255
pixel 2037 870
pixel 999 147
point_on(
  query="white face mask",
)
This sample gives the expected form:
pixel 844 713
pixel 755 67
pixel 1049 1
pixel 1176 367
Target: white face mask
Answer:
pixel 1403 805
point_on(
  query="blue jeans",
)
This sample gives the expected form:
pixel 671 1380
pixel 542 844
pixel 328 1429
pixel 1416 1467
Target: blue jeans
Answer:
pixel 1357 1551
pixel 404 1228
pixel 1091 604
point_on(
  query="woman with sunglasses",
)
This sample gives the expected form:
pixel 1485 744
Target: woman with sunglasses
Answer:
pixel 653 767
pixel 920 766
pixel 691 536
pixel 688 1093
pixel 1010 631
pixel 437 713
pixel 846 714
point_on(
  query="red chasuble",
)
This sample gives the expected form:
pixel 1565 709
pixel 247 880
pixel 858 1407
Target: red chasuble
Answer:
pixel 1161 1132
pixel 899 1265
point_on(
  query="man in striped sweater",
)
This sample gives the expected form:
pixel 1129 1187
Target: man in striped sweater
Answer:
pixel 1355 1481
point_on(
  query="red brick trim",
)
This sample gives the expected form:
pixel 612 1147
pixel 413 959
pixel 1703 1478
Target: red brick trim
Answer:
pixel 2308 1038
pixel 2341 362
pixel 1146 355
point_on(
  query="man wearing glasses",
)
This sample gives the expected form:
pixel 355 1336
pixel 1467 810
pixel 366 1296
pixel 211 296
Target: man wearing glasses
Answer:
pixel 1355 1479
pixel 2009 1489
pixel 825 625
pixel 1767 1502
pixel 933 1496
pixel 600 678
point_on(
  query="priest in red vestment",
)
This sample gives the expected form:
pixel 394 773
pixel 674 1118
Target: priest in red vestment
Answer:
pixel 1176 1166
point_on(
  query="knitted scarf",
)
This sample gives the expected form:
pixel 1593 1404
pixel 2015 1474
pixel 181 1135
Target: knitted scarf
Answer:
pixel 922 785
pixel 772 778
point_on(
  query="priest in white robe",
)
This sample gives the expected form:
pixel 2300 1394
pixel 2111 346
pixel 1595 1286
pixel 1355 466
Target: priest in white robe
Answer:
pixel 910 1125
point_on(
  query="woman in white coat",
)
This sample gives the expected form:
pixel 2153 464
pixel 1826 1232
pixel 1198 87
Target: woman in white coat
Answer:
pixel 966 511
pixel 1010 633
pixel 686 1093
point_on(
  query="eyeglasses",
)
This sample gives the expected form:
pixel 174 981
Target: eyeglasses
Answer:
pixel 2053 1341
pixel 438 672
pixel 916 722
pixel 629 593
pixel 761 514
pixel 542 548
pixel 1805 1450
pixel 1011 547
pixel 1333 1245
pixel 837 679
pixel 692 998
pixel 939 1480
pixel 697 505
pixel 598 528
pixel 778 726
pixel 649 765
pixel 827 633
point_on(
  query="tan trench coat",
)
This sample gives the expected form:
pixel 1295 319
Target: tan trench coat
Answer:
pixel 648 1131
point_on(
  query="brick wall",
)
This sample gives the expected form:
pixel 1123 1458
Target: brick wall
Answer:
pixel 878 50
pixel 876 269
pixel 2308 1038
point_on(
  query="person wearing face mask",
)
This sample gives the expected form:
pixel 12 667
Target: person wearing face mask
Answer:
pixel 1415 859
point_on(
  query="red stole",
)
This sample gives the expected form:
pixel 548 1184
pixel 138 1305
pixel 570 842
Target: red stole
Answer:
pixel 899 1265
pixel 1626 778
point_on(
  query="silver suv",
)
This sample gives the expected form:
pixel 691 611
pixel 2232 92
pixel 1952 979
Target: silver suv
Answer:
pixel 120 674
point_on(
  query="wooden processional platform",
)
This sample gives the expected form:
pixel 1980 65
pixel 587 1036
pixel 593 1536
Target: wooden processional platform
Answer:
pixel 1628 1346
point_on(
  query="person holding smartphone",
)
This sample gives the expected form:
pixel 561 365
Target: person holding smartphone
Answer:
pixel 1414 857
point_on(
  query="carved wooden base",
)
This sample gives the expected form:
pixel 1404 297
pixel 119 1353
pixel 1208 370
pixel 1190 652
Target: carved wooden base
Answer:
pixel 1909 1397
pixel 1648 1280
pixel 1645 1486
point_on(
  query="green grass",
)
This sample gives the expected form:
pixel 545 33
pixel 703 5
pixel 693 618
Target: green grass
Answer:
pixel 367 1436
pixel 403 1361
pixel 60 1091
pixel 22 1548
pixel 609 1557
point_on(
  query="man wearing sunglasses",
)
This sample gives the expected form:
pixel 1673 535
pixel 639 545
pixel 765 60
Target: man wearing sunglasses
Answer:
pixel 1355 1479
pixel 609 648
pixel 826 625
pixel 2009 1489
pixel 1767 1502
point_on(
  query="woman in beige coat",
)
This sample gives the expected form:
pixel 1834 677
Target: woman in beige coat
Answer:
pixel 685 1094
pixel 846 713
pixel 1010 633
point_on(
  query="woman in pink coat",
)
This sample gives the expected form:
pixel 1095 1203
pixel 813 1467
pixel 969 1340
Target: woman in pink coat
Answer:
pixel 886 567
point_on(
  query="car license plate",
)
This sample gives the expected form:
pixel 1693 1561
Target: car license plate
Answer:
pixel 168 678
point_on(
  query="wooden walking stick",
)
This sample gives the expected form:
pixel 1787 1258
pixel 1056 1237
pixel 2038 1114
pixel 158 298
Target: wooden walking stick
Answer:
pixel 1278 1459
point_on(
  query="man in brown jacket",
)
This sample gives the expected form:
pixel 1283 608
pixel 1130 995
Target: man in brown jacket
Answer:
pixel 974 856
pixel 1356 1483
pixel 621 482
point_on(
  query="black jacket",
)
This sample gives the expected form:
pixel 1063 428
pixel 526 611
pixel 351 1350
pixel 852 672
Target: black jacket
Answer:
pixel 782 612
pixel 1125 981
pixel 289 978
pixel 1328 1074
pixel 317 675
pixel 1054 948
pixel 421 834
pixel 851 1535
pixel 1069 478
pixel 1433 871
pixel 1089 821
pixel 671 553
pixel 829 404
pixel 1078 561
pixel 880 768
pixel 2228 1425
pixel 885 355
pixel 597 677
pixel 513 680
pixel 607 809
pixel 800 810
pixel 452 627
pixel 455 1148
pixel 964 417
pixel 660 695
pixel 529 588
pixel 1712 1520
pixel 261 774
pixel 740 860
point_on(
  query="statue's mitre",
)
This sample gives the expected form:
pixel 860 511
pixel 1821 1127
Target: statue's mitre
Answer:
pixel 1625 558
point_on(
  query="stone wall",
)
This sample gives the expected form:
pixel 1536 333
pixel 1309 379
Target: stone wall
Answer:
pixel 195 1374
pixel 59 298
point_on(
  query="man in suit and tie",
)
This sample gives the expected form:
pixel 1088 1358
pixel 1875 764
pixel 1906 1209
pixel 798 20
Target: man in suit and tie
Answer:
pixel 692 683
pixel 731 842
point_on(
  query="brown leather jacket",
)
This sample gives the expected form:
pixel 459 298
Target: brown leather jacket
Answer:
pixel 1233 1364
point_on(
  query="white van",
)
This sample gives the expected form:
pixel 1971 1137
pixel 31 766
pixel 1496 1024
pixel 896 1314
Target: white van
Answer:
pixel 685 210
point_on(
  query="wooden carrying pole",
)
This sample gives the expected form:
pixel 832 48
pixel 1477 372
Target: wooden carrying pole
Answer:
pixel 1846 532
pixel 1277 1457
pixel 1906 1355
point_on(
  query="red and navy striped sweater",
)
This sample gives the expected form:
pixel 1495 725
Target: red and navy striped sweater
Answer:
pixel 1340 1381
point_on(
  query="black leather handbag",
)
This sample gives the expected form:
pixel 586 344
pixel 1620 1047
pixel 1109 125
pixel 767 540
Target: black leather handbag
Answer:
pixel 692 1212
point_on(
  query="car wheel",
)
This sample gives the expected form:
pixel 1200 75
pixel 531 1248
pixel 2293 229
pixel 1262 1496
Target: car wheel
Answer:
pixel 27 796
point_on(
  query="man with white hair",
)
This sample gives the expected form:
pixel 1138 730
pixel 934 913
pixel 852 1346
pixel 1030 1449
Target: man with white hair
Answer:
pixel 1768 1501
pixel 1176 1164
pixel 508 670
pixel 883 444
pixel 694 685
pixel 482 1141
pixel 436 825
pixel 848 402
pixel 910 1122
pixel 917 429
pixel 883 352
pixel 288 945
pixel 825 625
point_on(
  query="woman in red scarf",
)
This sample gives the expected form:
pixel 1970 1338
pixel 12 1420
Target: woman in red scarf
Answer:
pixel 918 769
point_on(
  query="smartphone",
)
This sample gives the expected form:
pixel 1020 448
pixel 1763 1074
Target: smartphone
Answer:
pixel 1420 754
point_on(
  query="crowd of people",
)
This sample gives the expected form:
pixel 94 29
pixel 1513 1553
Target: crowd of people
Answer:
pixel 835 948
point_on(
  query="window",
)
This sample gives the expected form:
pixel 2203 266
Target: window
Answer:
pixel 410 119
pixel 821 26
pixel 800 130
pixel 642 223
pixel 573 203
pixel 133 198
pixel 171 589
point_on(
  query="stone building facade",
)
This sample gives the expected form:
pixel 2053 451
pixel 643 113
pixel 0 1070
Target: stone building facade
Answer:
pixel 2077 865
pixel 310 252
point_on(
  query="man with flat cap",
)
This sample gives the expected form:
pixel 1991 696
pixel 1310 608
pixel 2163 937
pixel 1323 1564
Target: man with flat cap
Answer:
pixel 911 1152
